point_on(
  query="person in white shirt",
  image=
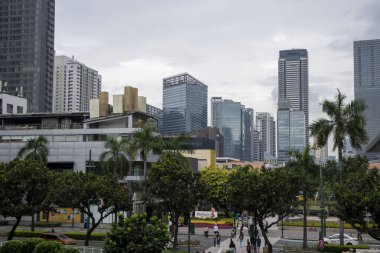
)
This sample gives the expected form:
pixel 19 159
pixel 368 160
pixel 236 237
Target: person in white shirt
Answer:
pixel 216 228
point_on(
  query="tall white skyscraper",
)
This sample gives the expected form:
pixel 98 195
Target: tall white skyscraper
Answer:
pixel 293 82
pixel 74 85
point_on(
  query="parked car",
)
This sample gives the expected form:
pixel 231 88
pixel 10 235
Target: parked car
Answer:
pixel 348 240
pixel 58 237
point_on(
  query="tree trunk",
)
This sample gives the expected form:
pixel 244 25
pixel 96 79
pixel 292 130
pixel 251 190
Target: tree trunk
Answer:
pixel 304 204
pixel 264 233
pixel 72 220
pixel 13 230
pixel 32 225
pixel 92 228
pixel 145 168
pixel 341 223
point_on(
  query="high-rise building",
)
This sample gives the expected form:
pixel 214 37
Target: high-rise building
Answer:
pixel 367 85
pixel 184 104
pixel 256 145
pixel 247 132
pixel 235 122
pixel 75 85
pixel 266 127
pixel 27 50
pixel 293 82
pixel 156 112
pixel 290 130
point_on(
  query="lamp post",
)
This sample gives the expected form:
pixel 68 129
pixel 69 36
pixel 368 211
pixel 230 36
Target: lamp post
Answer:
pixel 188 238
pixel 322 233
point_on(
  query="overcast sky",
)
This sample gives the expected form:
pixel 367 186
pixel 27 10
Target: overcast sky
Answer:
pixel 230 45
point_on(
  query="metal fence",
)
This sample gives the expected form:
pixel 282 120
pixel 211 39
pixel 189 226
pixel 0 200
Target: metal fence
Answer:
pixel 88 249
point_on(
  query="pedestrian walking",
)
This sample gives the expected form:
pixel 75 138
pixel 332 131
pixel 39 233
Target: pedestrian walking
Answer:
pixel 248 247
pixel 218 239
pixel 258 243
pixel 232 246
pixel 241 238
pixel 214 240
pixel 241 228
pixel 216 228
pixel 206 232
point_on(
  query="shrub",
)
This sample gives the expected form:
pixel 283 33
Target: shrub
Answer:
pixel 30 244
pixel 48 247
pixel 12 247
pixel 340 248
pixel 68 250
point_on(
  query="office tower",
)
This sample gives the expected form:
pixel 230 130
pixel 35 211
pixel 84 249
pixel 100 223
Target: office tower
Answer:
pixel 247 132
pixel 130 102
pixel 367 85
pixel 293 82
pixel 184 104
pixel 266 127
pixel 156 112
pixel 27 50
pixel 74 85
pixel 290 130
pixel 235 122
pixel 256 146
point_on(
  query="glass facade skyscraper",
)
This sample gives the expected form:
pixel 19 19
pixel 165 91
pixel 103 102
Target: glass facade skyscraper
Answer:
pixel 367 85
pixel 235 122
pixel 266 127
pixel 27 50
pixel 184 104
pixel 293 81
pixel 290 130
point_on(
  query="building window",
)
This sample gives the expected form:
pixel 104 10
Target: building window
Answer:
pixel 20 109
pixel 1 106
pixel 9 108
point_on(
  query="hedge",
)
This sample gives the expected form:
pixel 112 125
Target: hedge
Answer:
pixel 68 250
pixel 47 225
pixel 30 244
pixel 74 235
pixel 4 223
pixel 336 248
pixel 329 224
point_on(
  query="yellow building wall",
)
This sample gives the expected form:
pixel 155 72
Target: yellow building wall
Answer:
pixel 61 214
pixel 207 154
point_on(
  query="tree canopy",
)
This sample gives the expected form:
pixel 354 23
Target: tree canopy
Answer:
pixel 137 235
pixel 172 187
pixel 264 193
pixel 23 189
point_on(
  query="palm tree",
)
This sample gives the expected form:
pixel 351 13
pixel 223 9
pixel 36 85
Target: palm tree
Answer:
pixel 116 158
pixel 35 149
pixel 343 120
pixel 303 164
pixel 145 141
pixel 177 144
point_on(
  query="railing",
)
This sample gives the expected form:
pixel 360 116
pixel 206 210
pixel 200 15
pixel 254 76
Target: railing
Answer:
pixel 43 126
pixel 88 249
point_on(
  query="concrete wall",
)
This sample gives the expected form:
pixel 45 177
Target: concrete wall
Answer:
pixel 118 101
pixel 206 155
pixel 103 104
pixel 13 100
pixel 130 99
pixel 141 104
pixel 94 108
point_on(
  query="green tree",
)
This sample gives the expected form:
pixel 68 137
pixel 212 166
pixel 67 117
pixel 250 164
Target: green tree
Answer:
pixel 145 141
pixel 303 164
pixel 358 195
pixel 35 149
pixel 151 237
pixel 215 181
pixel 173 187
pixel 343 121
pixel 264 193
pixel 116 157
pixel 91 193
pixel 22 189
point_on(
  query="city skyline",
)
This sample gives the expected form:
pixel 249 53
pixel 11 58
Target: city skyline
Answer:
pixel 234 63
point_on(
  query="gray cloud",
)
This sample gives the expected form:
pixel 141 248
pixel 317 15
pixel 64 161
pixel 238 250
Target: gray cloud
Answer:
pixel 232 46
